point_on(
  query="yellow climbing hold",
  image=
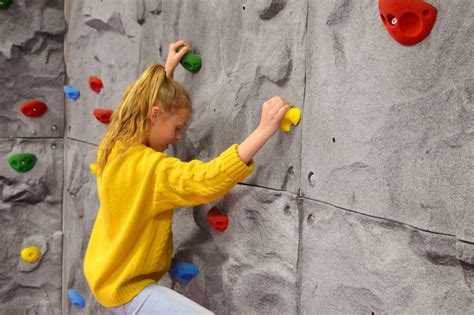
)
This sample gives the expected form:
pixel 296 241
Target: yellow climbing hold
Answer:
pixel 31 254
pixel 292 117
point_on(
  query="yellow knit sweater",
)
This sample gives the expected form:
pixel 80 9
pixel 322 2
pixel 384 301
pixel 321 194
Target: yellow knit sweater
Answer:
pixel 131 244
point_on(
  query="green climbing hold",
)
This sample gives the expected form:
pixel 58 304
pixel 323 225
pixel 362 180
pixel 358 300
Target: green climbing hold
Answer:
pixel 22 162
pixel 191 61
pixel 4 4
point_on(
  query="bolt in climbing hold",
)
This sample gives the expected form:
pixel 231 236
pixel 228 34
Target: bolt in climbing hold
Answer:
pixel 310 219
pixel 407 21
pixel 191 61
pixel 4 4
pixel 76 298
pixel 292 117
pixel 33 108
pixel 71 92
pixel 183 271
pixel 95 84
pixel 218 221
pixel 22 162
pixel 31 254
pixel 103 115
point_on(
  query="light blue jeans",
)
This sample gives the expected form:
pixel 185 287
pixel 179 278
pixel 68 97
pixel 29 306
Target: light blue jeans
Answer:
pixel 157 299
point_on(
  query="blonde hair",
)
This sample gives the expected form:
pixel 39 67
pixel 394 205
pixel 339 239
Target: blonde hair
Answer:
pixel 131 121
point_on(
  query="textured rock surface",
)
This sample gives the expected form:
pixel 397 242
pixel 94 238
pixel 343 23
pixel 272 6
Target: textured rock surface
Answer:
pixel 355 264
pixel 407 149
pixel 30 214
pixel 251 267
pixel 31 67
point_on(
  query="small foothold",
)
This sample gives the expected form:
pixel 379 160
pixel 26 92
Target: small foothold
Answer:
pixel 71 92
pixel 292 117
pixel 311 219
pixel 4 4
pixel 183 271
pixel 31 254
pixel 95 84
pixel 22 162
pixel 218 221
pixel 76 298
pixel 33 108
pixel 103 115
pixel 191 61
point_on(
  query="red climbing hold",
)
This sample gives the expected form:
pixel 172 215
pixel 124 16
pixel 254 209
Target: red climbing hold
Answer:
pixel 407 21
pixel 218 221
pixel 33 108
pixel 103 115
pixel 95 84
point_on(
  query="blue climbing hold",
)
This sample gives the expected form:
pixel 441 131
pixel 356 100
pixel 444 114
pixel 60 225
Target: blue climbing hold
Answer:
pixel 183 271
pixel 76 298
pixel 71 92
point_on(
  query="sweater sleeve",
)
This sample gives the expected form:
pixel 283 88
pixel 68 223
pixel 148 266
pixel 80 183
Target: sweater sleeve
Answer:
pixel 185 184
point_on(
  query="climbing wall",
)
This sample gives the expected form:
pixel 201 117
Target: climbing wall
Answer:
pixel 31 69
pixel 365 207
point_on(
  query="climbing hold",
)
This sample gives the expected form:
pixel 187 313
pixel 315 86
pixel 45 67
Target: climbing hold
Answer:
pixel 103 115
pixel 191 61
pixel 22 162
pixel 218 221
pixel 4 4
pixel 407 21
pixel 183 271
pixel 292 117
pixel 95 84
pixel 33 108
pixel 76 298
pixel 71 92
pixel 31 254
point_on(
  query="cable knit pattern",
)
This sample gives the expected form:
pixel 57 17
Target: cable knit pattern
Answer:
pixel 131 242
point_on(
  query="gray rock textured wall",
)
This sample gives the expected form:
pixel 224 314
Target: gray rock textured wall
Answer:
pixel 31 68
pixel 365 207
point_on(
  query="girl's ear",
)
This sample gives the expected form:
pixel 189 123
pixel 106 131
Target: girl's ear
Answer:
pixel 155 113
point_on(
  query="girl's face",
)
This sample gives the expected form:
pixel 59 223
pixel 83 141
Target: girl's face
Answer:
pixel 166 127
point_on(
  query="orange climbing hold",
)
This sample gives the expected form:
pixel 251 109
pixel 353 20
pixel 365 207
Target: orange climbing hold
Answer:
pixel 95 84
pixel 218 221
pixel 33 108
pixel 103 115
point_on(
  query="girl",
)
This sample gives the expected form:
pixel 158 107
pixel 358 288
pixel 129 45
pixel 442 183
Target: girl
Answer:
pixel 130 247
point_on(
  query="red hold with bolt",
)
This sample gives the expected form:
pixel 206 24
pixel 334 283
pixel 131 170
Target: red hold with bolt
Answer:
pixel 33 108
pixel 407 21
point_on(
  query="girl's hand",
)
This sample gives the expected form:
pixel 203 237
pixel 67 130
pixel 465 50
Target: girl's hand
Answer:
pixel 273 111
pixel 174 57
